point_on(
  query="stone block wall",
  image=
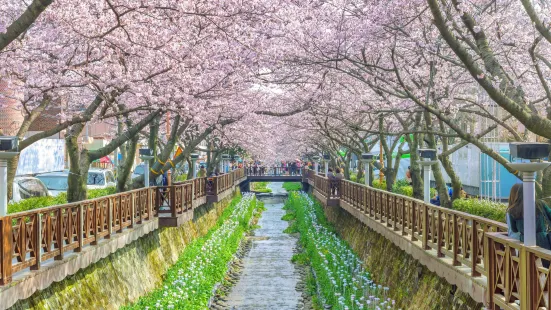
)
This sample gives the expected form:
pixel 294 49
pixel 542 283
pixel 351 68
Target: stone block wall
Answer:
pixel 411 284
pixel 129 273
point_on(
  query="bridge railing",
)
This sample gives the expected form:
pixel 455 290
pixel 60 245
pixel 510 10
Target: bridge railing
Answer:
pixel 272 171
pixel 29 238
pixel 517 277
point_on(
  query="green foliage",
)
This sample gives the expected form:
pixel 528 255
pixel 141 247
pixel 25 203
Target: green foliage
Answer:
pixel 292 186
pixel 342 280
pixel 288 217
pixel 300 258
pixel 96 193
pixel 380 185
pixel 261 187
pixel 488 209
pixel 181 178
pixel 43 202
pixel 189 283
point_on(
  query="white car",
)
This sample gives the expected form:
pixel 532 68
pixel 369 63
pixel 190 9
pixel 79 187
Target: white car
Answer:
pixel 56 182
pixel 27 187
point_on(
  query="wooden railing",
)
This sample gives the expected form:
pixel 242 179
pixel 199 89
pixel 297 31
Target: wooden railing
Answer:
pixel 518 277
pixel 31 237
pixel 273 171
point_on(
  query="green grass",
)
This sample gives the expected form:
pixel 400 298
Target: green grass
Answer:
pixel 342 280
pixel 292 186
pixel 488 209
pixel 189 283
pixel 42 202
pixel 261 187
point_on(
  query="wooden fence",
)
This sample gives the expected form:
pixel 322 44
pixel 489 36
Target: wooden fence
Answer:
pixel 518 277
pixel 31 237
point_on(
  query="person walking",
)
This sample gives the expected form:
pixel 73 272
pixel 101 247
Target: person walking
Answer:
pixel 408 176
pixel 515 218
pixel 202 172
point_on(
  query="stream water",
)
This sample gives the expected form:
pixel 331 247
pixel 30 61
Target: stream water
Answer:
pixel 268 279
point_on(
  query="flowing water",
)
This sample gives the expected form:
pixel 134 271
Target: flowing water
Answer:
pixel 268 279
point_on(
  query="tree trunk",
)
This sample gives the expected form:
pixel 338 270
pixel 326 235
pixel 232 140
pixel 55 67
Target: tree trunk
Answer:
pixel 438 178
pixel 360 173
pixel 124 181
pixel 447 164
pixel 77 184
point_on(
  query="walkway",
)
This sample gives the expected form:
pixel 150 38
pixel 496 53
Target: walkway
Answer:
pixel 269 278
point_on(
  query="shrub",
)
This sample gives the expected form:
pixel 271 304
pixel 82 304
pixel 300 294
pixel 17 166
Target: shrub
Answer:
pixel 261 187
pixel 484 208
pixel 43 202
pixel 380 185
pixel 292 186
pixel 181 178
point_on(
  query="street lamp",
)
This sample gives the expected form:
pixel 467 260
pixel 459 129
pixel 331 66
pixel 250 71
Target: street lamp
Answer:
pixel 428 158
pixel 6 144
pixel 316 159
pixel 194 157
pixel 536 152
pixel 326 159
pixel 225 159
pixel 146 155
pixel 367 158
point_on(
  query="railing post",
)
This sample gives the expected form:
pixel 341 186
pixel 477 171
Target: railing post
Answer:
pixel 489 262
pixel 110 221
pixel 455 245
pixel 425 229
pixel 59 233
pixel 132 210
pixel 95 223
pixel 440 230
pixel 37 236
pixel 474 250
pixel 172 200
pixel 80 228
pixel 6 250
pixel 525 285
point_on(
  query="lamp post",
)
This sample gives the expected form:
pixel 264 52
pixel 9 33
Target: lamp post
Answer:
pixel 428 158
pixel 146 156
pixel 535 152
pixel 194 157
pixel 237 159
pixel 225 159
pixel 316 159
pixel 6 144
pixel 367 158
pixel 326 159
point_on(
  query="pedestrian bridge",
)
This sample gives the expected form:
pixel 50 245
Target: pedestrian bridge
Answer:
pixel 470 252
pixel 273 174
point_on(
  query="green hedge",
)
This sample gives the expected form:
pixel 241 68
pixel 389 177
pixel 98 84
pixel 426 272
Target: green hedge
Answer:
pixel 42 202
pixel 292 186
pixel 488 209
pixel 260 187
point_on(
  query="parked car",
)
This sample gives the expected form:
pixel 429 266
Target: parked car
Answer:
pixel 27 187
pixel 138 171
pixel 56 182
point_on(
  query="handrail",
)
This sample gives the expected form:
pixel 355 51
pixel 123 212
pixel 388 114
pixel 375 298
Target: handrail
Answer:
pixel 518 277
pixel 30 237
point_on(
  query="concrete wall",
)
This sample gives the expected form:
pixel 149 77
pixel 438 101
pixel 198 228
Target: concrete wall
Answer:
pixel 129 273
pixel 411 284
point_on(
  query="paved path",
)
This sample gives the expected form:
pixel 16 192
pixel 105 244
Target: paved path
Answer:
pixel 269 278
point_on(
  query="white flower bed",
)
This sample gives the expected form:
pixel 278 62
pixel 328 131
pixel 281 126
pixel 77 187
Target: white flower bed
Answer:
pixel 189 283
pixel 341 275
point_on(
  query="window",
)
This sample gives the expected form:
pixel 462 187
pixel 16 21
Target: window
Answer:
pixel 96 178
pixel 55 183
pixel 31 188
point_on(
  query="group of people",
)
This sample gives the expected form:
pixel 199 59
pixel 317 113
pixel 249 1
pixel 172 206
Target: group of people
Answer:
pixel 279 168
